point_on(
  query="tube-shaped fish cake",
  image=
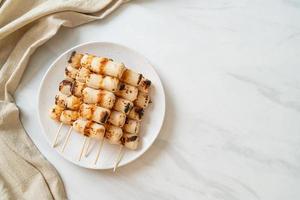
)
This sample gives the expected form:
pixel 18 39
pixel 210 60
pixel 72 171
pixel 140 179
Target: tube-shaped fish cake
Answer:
pixel 123 105
pixel 82 126
pixel 94 80
pixel 89 128
pixel 55 112
pixel 144 85
pixel 131 77
pixel 73 102
pixel 83 74
pixel 78 88
pixel 130 141
pixel 117 118
pixel 60 100
pixel 75 59
pixel 100 114
pixel 136 113
pixel 70 102
pixel 132 126
pixel 68 116
pixel 68 88
pixel 107 67
pixel 113 69
pixel 113 134
pixel 106 99
pixel 86 60
pixel 70 72
pixel 94 113
pixel 97 131
pixel 142 100
pixel 109 83
pixel 101 97
pixel 97 64
pixel 65 87
pixel 98 81
pixel 128 92
pixel 90 95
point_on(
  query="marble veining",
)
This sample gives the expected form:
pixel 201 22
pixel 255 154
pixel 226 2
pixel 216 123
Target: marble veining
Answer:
pixel 231 72
pixel 271 93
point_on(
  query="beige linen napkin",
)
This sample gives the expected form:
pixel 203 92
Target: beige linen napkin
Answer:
pixel 24 26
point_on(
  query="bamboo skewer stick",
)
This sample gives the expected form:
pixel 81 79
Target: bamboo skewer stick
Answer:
pixel 67 139
pixel 82 148
pixel 56 135
pixel 86 153
pixel 99 150
pixel 119 157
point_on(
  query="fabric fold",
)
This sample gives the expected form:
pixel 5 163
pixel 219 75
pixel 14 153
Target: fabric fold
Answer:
pixel 24 172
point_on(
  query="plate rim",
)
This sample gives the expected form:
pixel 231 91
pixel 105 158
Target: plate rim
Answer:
pixel 142 151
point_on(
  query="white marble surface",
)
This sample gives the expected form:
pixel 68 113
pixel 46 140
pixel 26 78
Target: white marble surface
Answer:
pixel 231 70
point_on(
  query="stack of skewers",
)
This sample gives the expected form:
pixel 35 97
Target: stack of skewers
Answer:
pixel 101 99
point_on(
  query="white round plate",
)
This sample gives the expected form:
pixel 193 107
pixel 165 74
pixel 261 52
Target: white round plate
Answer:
pixel 151 123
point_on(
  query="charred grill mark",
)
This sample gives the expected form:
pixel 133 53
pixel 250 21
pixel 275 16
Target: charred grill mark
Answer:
pixel 78 103
pixel 72 54
pixel 108 134
pixel 86 130
pixel 131 139
pixel 73 88
pixel 65 83
pixel 92 110
pixel 60 87
pixel 122 140
pixel 105 117
pixel 81 110
pixel 135 128
pixel 140 78
pixel 147 83
pixel 67 72
pixel 100 98
pixel 127 108
pixel 104 61
pixel 102 65
pixel 146 98
pixel 122 86
pixel 140 112
pixel 56 100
